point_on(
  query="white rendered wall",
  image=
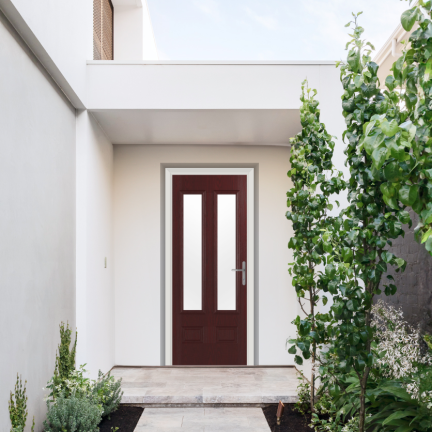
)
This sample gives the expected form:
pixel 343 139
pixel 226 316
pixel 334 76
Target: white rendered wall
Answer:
pixel 65 30
pixel 137 245
pixel 95 289
pixel 128 33
pixel 133 32
pixel 211 85
pixel 37 223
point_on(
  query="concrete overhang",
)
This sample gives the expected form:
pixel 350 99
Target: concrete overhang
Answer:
pixel 160 102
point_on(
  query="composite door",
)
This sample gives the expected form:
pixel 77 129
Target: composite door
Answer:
pixel 209 270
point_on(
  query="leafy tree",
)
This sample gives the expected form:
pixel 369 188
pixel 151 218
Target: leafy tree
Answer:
pixel 309 199
pixel 409 166
pixel 359 258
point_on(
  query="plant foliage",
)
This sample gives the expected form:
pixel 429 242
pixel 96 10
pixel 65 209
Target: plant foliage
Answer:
pixel 18 407
pixel 65 363
pixel 72 414
pixel 409 165
pixel 108 392
pixel 309 199
pixel 370 222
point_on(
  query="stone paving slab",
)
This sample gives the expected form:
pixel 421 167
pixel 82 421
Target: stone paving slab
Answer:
pixel 201 386
pixel 202 420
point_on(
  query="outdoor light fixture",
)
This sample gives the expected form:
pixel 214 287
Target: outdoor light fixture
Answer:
pixel 279 412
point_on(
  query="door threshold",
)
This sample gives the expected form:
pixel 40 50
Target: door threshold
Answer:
pixel 206 366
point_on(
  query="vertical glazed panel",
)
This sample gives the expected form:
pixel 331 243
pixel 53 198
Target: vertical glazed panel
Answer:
pixel 226 255
pixel 192 252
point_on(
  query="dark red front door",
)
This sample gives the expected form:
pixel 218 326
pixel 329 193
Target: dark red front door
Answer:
pixel 209 242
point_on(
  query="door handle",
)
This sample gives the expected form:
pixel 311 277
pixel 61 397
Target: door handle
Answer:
pixel 243 270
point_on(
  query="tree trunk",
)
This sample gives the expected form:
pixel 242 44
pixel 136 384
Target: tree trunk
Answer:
pixel 362 413
pixel 312 386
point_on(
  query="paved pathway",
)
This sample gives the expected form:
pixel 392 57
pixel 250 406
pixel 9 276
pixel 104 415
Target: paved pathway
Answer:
pixel 207 386
pixel 202 420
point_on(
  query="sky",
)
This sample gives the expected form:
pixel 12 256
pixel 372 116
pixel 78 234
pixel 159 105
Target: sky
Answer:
pixel 266 29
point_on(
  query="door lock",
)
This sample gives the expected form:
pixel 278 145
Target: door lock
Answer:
pixel 243 270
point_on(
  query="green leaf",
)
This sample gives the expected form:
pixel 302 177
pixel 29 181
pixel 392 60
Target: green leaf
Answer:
pixel 408 18
pixel 349 105
pixel 314 335
pixel 400 262
pixel 354 60
pixel 387 256
pixel 398 415
pixel 428 71
pixel 426 235
pixel 352 305
pixel 298 360
pixel 292 350
pixel 379 156
pixel 408 194
pixel 354 339
pixel 390 82
pixel 327 247
pixel 392 171
pixel 304 328
pixel 373 141
pixel 330 271
pixel 358 81
pixel 389 128
pixel 347 255
pixel 404 428
pixel 428 245
pixel 404 217
pixel 398 152
pixel 324 300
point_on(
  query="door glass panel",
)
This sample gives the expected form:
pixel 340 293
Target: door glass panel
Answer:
pixel 192 252
pixel 226 252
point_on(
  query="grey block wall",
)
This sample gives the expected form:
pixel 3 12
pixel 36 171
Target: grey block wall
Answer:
pixel 37 223
pixel 414 294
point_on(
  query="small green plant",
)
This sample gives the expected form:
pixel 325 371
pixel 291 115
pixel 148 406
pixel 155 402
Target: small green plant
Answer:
pixel 72 414
pixel 65 362
pixel 76 384
pixel 326 417
pixel 108 392
pixel 18 408
pixel 303 391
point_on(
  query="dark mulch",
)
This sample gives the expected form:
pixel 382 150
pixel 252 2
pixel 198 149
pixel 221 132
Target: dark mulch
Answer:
pixel 125 418
pixel 291 420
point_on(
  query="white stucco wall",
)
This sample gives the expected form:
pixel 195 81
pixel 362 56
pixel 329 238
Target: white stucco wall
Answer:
pixel 133 32
pixel 95 289
pixel 138 254
pixel 64 29
pixel 37 223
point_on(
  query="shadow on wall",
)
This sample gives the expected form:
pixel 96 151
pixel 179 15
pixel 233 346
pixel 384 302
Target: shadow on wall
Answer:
pixel 414 286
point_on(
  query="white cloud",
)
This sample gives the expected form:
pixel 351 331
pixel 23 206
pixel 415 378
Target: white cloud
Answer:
pixel 268 22
pixel 208 7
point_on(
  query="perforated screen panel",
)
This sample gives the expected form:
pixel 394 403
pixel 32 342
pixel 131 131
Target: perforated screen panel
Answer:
pixel 103 30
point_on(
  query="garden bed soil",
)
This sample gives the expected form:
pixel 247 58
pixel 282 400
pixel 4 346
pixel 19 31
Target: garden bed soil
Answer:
pixel 125 418
pixel 291 420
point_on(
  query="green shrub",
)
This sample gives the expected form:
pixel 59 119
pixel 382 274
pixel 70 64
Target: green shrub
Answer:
pixel 303 392
pixel 108 392
pixel 73 414
pixel 65 362
pixel 75 385
pixel 18 408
